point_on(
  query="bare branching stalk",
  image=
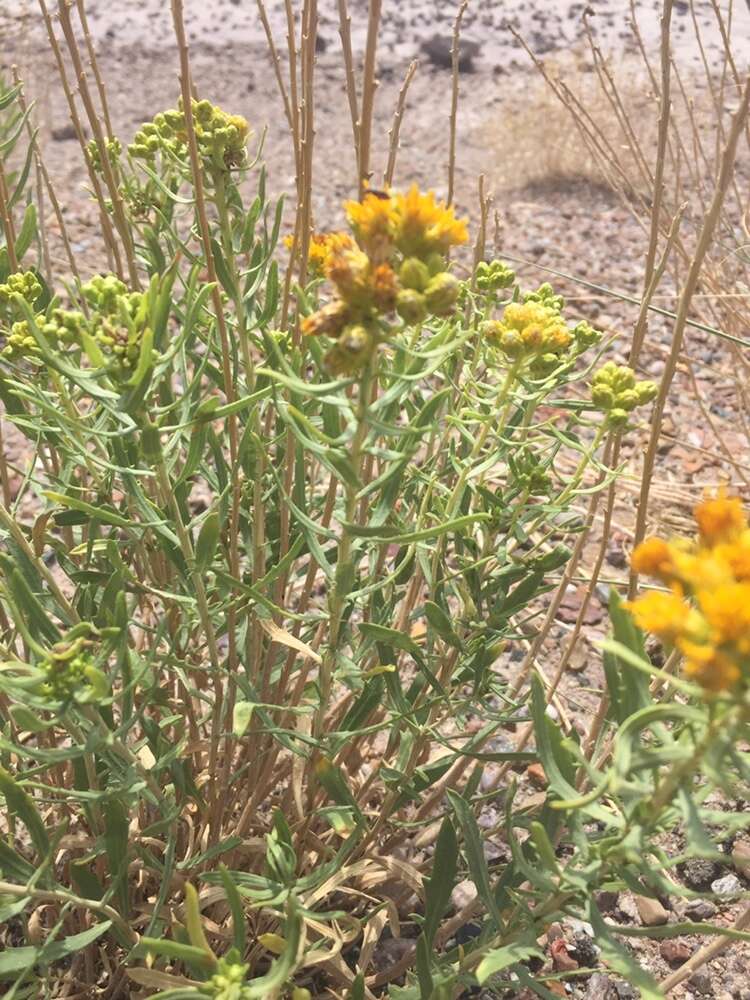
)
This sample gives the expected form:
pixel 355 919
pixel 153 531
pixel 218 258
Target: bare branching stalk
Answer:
pixel 345 24
pixel 453 119
pixel 369 85
pixel 398 114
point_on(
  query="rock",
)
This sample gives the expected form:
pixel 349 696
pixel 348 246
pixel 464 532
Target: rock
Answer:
pixel 700 981
pixel 64 133
pixel 390 951
pixel 585 951
pixel 699 873
pixel 726 886
pixel 627 908
pixel 675 951
pixel 555 932
pixel 600 987
pixel 561 959
pixel 536 775
pixel 741 858
pixel 321 43
pixel 463 894
pixel 700 909
pixel 624 991
pixel 651 912
pixel 438 51
pixel 606 900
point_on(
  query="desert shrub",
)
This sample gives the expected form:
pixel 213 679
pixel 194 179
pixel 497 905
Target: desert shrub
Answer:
pixel 262 582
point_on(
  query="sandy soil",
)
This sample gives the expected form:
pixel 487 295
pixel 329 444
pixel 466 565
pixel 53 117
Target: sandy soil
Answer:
pixel 570 223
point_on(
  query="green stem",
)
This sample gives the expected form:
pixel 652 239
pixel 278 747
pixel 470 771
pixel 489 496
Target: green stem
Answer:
pixel 344 567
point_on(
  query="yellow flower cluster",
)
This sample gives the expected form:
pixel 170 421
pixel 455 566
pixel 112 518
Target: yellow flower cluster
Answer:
pixel 532 330
pixel 529 328
pixel 319 251
pixel 395 262
pixel 706 612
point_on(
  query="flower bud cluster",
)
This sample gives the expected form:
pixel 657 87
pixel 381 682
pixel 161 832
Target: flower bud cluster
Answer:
pixel 532 332
pixel 396 262
pixel 615 391
pixel 23 283
pixel 118 321
pixel 19 340
pixel 114 152
pixel 70 674
pixel 529 330
pixel 221 137
pixel 493 276
pixel 227 983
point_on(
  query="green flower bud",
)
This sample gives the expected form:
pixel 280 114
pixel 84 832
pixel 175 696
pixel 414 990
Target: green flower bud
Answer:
pixel 586 335
pixel 411 306
pixel 605 374
pixel 646 392
pixel 441 293
pixel 494 275
pixel 414 274
pixel 624 378
pixel 602 396
pixel 617 418
pixel 546 295
pixel 435 263
pixel 627 399
pixel 545 363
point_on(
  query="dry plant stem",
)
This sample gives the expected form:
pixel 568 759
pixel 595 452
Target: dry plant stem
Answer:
pixel 739 121
pixel 276 59
pixel 651 284
pixel 113 188
pixel 453 120
pixel 113 250
pixel 7 220
pixel 345 33
pixel 398 114
pixel 665 109
pixel 369 85
pixel 39 160
pixel 485 204
pixel 70 899
pixel 293 89
pixel 93 62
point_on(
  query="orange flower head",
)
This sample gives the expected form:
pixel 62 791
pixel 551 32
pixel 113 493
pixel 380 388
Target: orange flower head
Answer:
pixel 423 225
pixel 666 615
pixel 329 319
pixel 737 556
pixel 720 519
pixel 372 222
pixel 653 557
pixel 711 668
pixel 349 270
pixel 385 288
pixel 727 611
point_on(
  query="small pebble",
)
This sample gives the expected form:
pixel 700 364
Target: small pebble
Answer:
pixel 726 886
